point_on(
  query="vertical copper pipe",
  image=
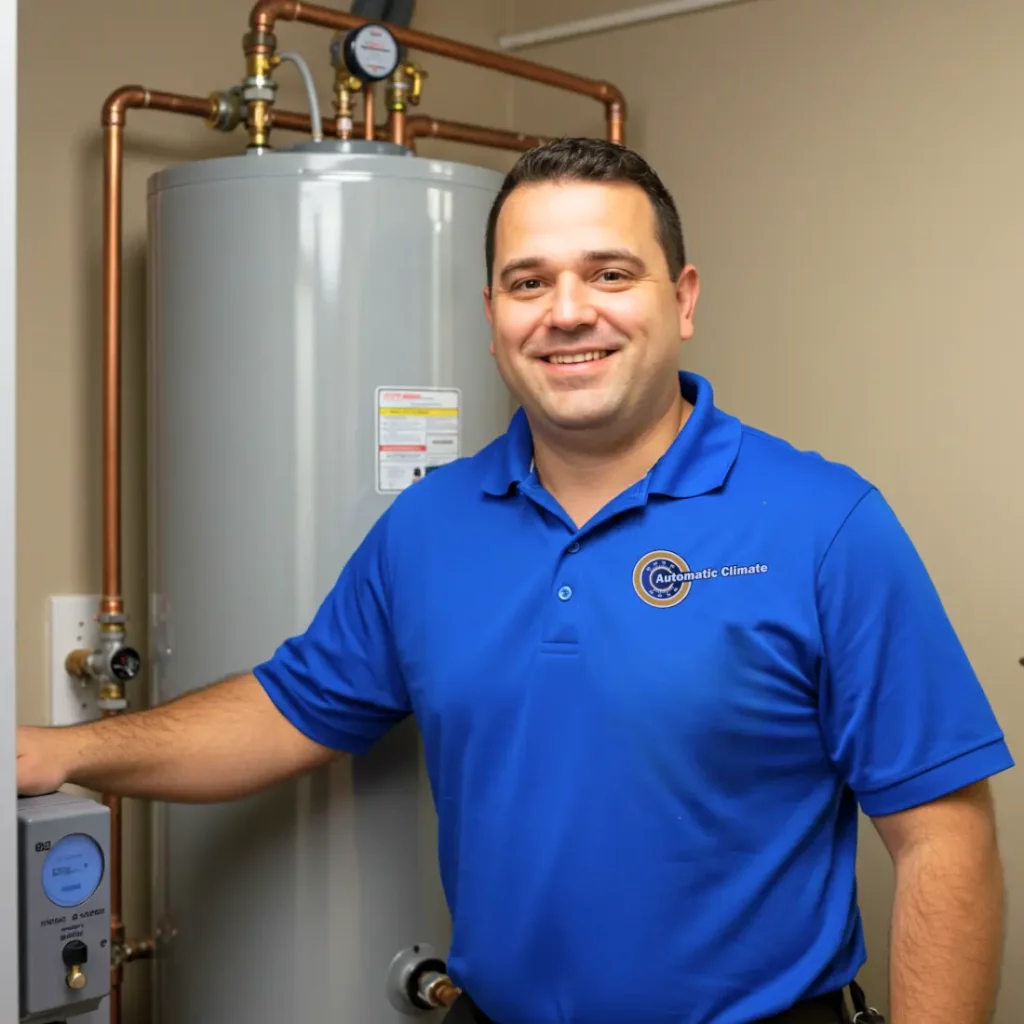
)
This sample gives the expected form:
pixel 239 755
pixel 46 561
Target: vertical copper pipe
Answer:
pixel 616 115
pixel 112 603
pixel 265 13
pixel 396 124
pixel 114 115
pixel 368 111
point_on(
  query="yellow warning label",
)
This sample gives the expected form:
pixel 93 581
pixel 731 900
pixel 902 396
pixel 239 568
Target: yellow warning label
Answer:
pixel 418 411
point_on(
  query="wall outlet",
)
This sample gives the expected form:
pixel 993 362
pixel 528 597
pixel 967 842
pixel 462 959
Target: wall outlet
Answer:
pixel 73 625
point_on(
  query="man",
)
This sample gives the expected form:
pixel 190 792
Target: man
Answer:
pixel 658 658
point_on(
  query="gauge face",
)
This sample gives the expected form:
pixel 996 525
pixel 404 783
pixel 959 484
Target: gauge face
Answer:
pixel 125 664
pixel 371 52
pixel 73 870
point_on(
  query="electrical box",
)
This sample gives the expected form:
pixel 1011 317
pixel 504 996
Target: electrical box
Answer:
pixel 64 906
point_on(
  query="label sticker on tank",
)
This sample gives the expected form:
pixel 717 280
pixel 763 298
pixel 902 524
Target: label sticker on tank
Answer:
pixel 417 431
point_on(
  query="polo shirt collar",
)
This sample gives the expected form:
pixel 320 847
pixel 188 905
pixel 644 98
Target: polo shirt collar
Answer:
pixel 698 460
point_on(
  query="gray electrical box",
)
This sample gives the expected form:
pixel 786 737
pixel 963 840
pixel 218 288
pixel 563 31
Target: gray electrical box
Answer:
pixel 64 906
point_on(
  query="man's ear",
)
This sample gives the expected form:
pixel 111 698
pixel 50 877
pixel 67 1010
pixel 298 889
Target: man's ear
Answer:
pixel 687 291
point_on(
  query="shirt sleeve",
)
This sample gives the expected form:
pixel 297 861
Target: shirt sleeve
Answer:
pixel 340 682
pixel 903 714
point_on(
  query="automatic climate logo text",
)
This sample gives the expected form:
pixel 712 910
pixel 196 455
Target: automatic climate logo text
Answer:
pixel 663 579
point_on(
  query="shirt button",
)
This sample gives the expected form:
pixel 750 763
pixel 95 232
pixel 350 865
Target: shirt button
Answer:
pixel 564 593
pixel 574 547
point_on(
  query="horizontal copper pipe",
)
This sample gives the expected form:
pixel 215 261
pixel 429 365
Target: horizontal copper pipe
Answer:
pixel 416 127
pixel 265 13
pixel 454 131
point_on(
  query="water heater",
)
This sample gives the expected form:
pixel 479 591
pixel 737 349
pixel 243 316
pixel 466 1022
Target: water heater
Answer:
pixel 317 343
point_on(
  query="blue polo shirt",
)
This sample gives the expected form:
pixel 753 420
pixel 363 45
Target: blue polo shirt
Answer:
pixel 648 738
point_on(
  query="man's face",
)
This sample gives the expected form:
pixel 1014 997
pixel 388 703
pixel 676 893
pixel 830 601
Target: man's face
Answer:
pixel 586 319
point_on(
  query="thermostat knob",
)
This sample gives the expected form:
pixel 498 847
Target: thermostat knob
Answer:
pixel 75 953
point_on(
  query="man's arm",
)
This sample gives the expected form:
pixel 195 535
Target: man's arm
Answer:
pixel 219 743
pixel 948 914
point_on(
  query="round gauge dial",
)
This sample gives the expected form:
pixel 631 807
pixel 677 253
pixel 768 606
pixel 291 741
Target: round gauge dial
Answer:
pixel 73 870
pixel 371 52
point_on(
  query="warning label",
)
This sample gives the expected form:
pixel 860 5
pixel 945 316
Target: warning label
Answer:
pixel 417 431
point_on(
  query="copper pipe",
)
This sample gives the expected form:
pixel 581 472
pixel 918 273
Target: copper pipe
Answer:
pixel 456 132
pixel 115 111
pixel 369 114
pixel 289 120
pixel 419 126
pixel 265 13
pixel 396 125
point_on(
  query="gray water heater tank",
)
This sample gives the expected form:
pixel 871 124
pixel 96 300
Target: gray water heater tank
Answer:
pixel 317 342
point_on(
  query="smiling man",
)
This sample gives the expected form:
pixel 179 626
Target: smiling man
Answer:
pixel 659 660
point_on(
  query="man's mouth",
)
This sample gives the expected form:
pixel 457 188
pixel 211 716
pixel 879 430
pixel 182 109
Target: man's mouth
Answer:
pixel 578 357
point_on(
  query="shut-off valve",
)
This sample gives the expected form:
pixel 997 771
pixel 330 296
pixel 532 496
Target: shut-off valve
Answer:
pixel 113 665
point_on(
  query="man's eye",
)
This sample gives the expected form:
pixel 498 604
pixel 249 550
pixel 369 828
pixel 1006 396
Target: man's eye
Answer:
pixel 613 276
pixel 528 283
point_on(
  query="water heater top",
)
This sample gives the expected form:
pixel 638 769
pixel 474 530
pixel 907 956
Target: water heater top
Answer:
pixel 355 160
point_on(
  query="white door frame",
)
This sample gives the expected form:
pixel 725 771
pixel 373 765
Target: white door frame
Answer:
pixel 9 983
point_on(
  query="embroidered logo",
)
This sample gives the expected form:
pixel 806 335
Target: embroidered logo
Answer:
pixel 663 579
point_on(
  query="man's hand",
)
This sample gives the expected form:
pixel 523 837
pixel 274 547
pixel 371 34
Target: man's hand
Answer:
pixel 948 914
pixel 41 766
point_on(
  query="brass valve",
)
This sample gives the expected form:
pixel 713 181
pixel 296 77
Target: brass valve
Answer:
pixel 76 979
pixel 346 85
pixel 405 86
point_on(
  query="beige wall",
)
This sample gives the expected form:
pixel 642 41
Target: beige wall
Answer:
pixel 848 176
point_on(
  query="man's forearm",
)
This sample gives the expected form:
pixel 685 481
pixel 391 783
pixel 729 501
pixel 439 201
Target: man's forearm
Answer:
pixel 947 932
pixel 218 743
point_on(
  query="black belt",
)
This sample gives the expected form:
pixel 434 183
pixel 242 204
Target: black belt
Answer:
pixel 826 1009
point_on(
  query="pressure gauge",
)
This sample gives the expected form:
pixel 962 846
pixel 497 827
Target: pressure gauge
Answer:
pixel 371 53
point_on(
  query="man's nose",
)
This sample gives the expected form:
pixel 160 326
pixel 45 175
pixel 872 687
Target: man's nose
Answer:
pixel 571 305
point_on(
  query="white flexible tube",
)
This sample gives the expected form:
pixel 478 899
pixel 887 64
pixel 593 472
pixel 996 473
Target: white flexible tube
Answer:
pixel 299 61
pixel 603 22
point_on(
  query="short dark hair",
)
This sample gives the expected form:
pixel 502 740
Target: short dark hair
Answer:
pixel 577 159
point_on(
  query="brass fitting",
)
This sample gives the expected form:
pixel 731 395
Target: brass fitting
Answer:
pixel 345 88
pixel 405 86
pixel 438 989
pixel 77 664
pixel 259 87
pixel 346 85
pixel 227 111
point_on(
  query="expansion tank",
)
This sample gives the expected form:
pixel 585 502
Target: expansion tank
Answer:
pixel 303 304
